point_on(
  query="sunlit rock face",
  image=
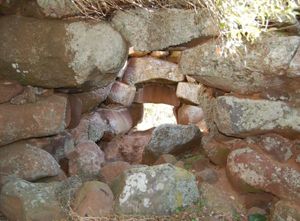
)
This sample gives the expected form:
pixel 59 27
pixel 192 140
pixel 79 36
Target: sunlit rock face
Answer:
pixel 54 53
pixel 161 190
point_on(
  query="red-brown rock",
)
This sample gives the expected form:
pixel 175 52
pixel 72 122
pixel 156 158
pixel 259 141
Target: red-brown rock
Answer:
pixel 113 169
pixel 93 199
pixel 127 148
pixel 118 119
pixel 43 118
pixel 249 168
pixel 188 114
pixel 8 90
pixel 136 112
pixel 26 162
pixel 166 158
pixel 86 160
pixel 158 94
pixel 122 94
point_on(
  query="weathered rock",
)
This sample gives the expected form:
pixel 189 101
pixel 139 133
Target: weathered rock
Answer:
pixel 155 30
pixel 284 210
pixel 30 95
pixel 157 190
pixel 263 67
pixel 136 112
pixel 93 199
pixel 22 200
pixel 157 94
pixel 90 100
pixel 43 118
pixel 173 139
pixel 58 8
pixel 207 175
pixel 122 94
pixel 166 158
pixel 127 148
pixel 189 92
pixel 189 114
pixel 75 105
pixel 73 48
pixel 26 162
pixel 119 119
pixel 86 160
pixel 218 201
pixel 148 69
pixel 8 90
pixel 110 171
pixel 91 127
pixel 277 146
pixel 249 167
pixel 241 117
pixel 196 163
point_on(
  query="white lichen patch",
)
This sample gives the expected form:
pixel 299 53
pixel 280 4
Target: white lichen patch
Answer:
pixel 146 202
pixel 136 182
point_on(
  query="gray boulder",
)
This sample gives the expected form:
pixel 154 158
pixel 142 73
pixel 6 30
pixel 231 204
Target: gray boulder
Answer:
pixel 243 117
pixel 157 190
pixel 21 200
pixel 155 30
pixel 55 53
pixel 171 139
pixel 263 67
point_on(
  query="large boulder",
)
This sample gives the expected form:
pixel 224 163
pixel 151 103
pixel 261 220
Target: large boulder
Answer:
pixel 155 30
pixel 284 210
pixel 262 67
pixel 149 69
pixel 251 171
pixel 26 162
pixel 55 53
pixel 157 190
pixel 242 117
pixel 173 139
pixel 48 116
pixel 21 200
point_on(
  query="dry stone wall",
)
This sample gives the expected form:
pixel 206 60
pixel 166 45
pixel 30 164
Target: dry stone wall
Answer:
pixel 72 91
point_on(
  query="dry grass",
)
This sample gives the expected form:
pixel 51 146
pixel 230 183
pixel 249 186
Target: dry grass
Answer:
pixel 104 8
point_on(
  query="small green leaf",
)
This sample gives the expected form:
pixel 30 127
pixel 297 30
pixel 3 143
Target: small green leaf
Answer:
pixel 257 217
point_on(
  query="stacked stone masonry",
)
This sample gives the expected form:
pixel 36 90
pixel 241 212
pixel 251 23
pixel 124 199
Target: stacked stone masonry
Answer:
pixel 72 92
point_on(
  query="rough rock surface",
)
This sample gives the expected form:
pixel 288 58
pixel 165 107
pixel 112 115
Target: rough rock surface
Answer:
pixel 26 162
pixel 155 30
pixel 263 67
pixel 149 69
pixel 43 118
pixel 93 199
pixel 57 8
pixel 49 48
pixel 119 119
pixel 173 139
pixel 22 200
pixel 249 167
pixel 189 114
pixel 157 94
pixel 157 190
pixel 122 94
pixel 242 117
pixel 275 145
pixel 218 201
pixel 112 170
pixel 129 147
pixel 284 210
pixel 85 160
pixel 91 127
pixel 8 90
pixel 189 92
